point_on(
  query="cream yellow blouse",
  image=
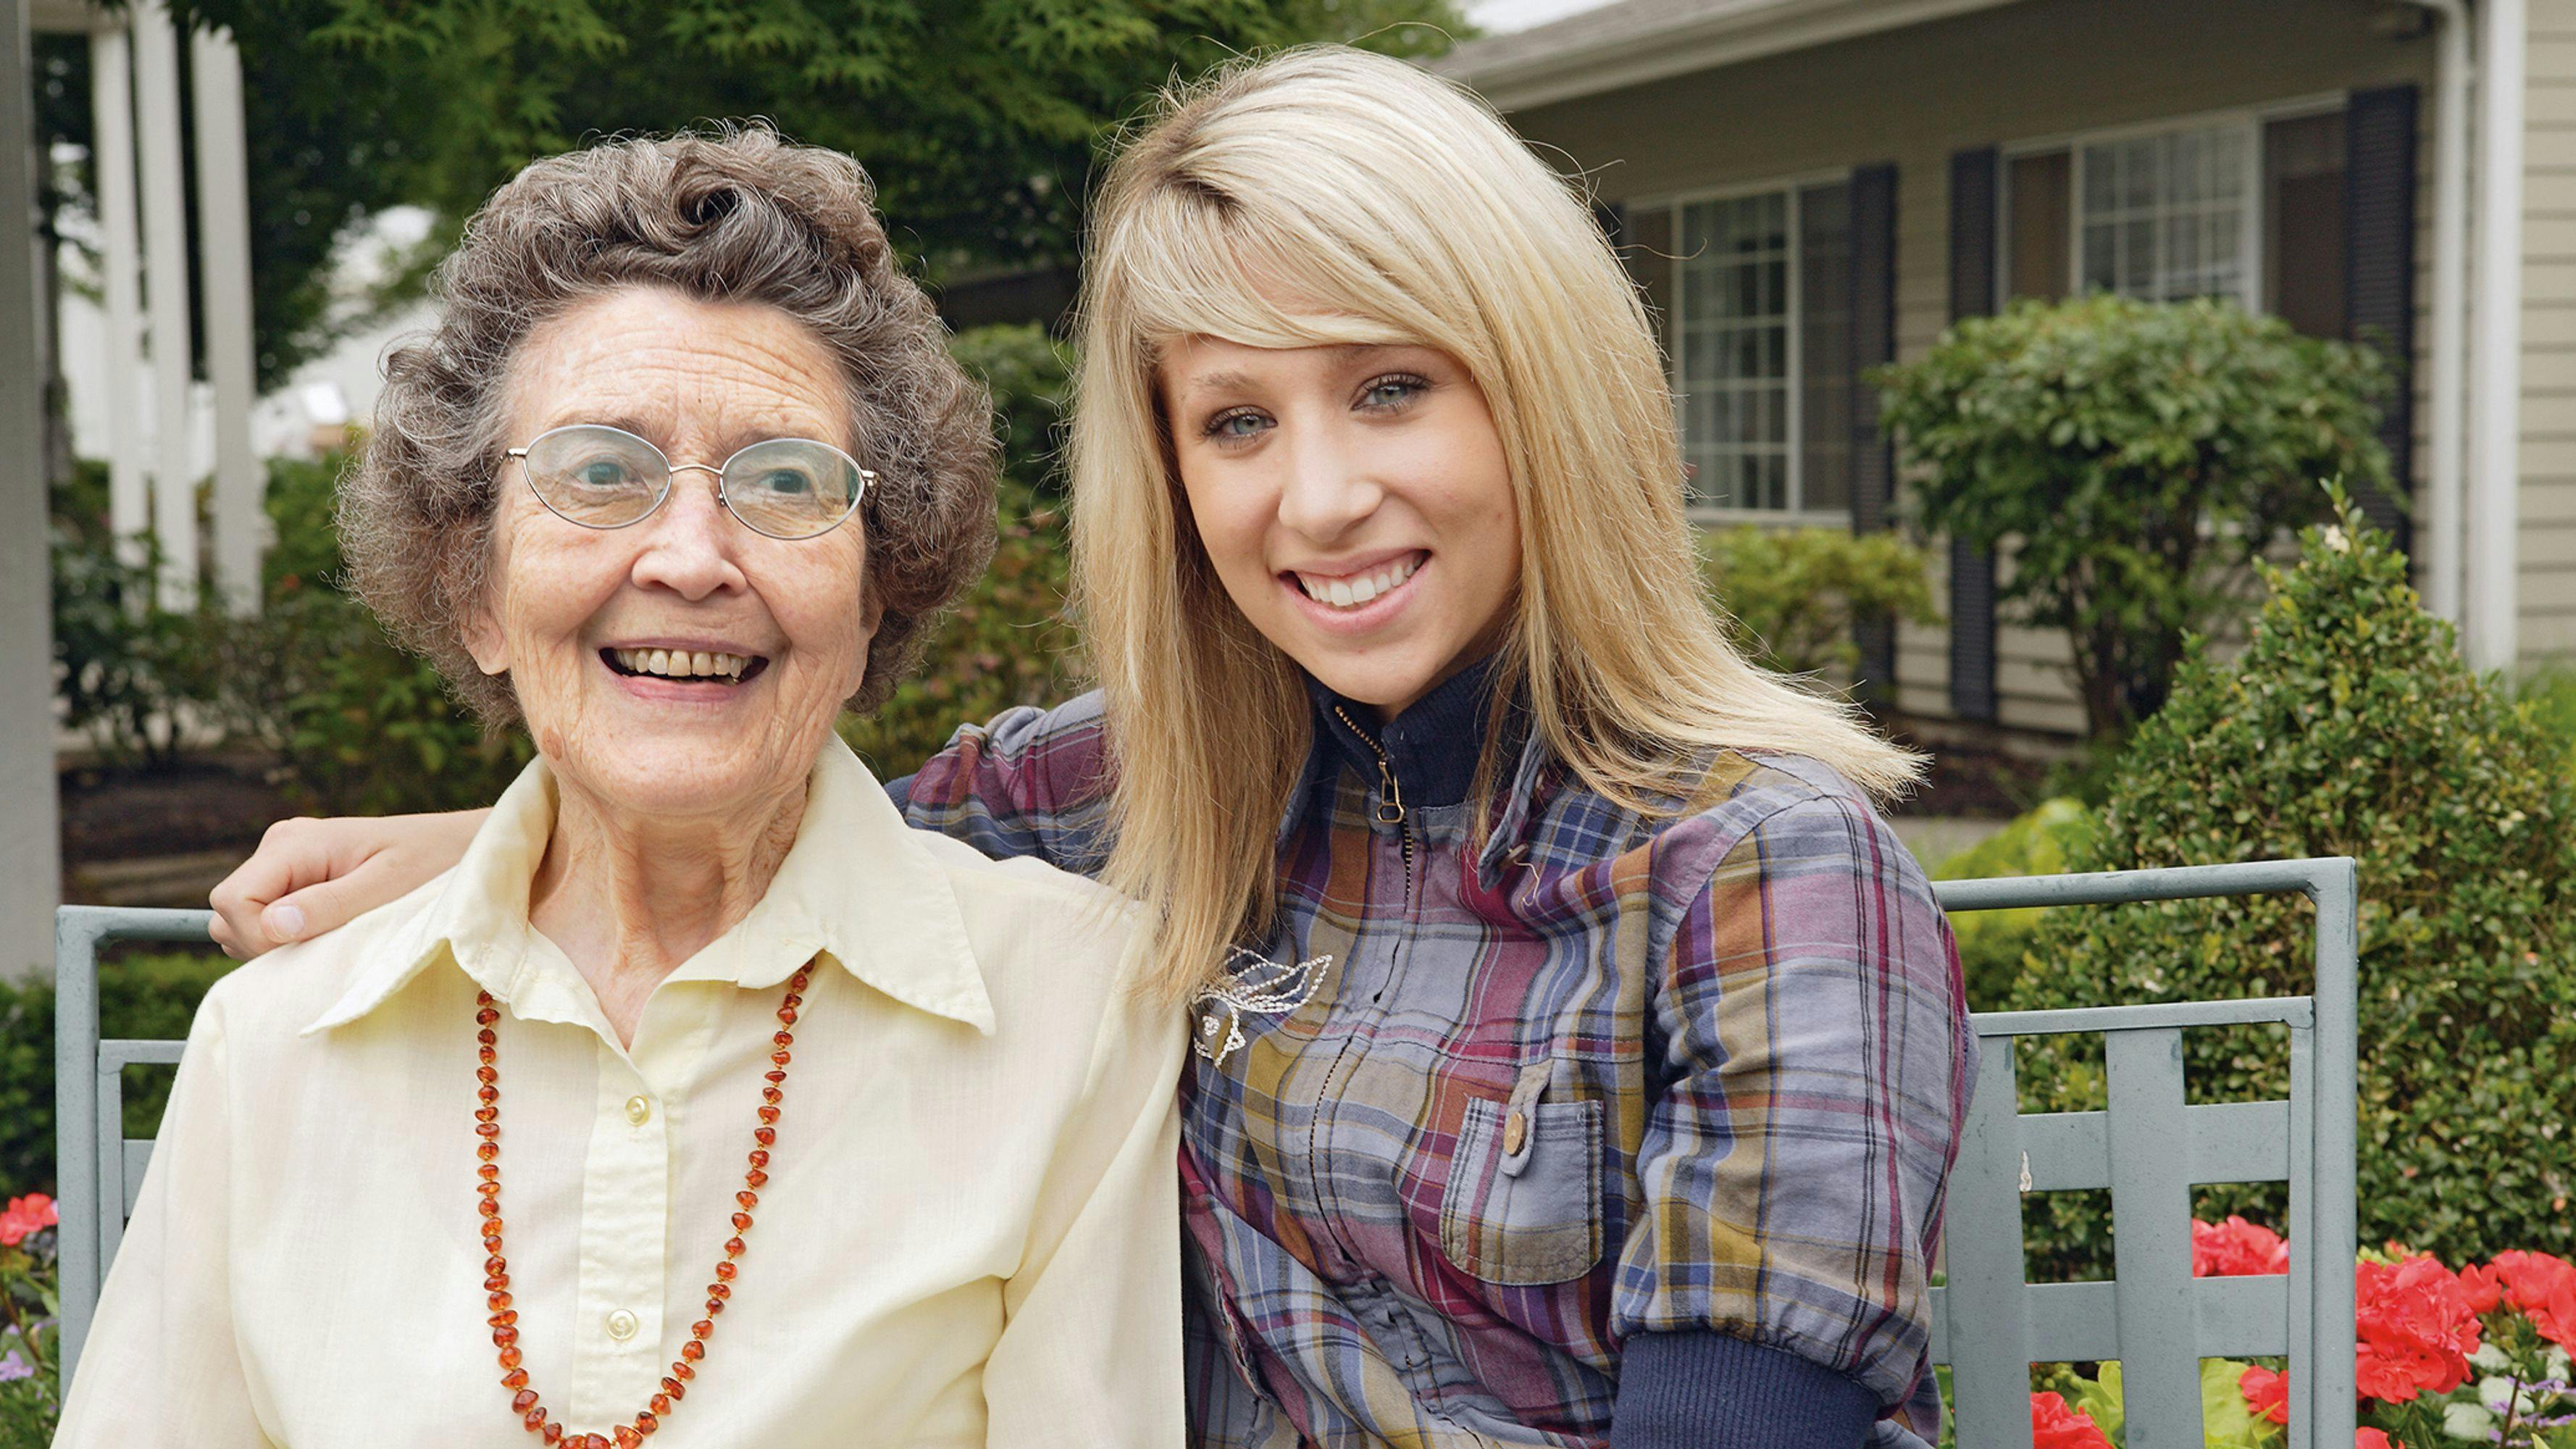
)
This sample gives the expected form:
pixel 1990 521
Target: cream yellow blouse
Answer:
pixel 969 1235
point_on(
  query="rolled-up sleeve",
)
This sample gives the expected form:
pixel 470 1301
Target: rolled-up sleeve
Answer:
pixel 162 1364
pixel 1816 1057
pixel 1091 1350
pixel 1027 782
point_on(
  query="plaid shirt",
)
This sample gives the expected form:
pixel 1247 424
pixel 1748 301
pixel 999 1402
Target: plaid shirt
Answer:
pixel 1591 1076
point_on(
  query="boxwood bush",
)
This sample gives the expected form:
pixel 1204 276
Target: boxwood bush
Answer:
pixel 2350 726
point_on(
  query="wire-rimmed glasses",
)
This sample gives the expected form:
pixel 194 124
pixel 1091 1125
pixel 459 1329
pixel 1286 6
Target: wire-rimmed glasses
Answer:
pixel 603 477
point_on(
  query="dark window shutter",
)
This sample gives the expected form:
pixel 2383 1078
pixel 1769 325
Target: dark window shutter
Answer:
pixel 1973 176
pixel 1873 343
pixel 2379 274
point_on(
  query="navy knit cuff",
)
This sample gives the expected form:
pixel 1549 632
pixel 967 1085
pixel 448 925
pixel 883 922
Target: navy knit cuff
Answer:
pixel 1702 1390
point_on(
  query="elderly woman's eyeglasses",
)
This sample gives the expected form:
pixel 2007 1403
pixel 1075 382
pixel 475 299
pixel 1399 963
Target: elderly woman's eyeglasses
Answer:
pixel 604 477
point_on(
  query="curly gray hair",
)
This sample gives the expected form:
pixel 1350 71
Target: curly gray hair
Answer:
pixel 736 215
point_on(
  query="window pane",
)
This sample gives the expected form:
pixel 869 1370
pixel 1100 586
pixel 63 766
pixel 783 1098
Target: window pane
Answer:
pixel 2164 216
pixel 2038 209
pixel 2303 254
pixel 1735 369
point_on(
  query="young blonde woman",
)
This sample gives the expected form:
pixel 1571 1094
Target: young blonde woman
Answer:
pixel 1581 1057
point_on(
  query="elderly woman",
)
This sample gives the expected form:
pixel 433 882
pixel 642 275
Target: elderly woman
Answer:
pixel 683 470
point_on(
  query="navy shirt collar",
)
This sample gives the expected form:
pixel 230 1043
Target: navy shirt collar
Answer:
pixel 1431 748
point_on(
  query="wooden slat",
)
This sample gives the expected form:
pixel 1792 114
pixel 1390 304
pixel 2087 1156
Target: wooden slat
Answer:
pixel 2230 1142
pixel 2151 1239
pixel 1982 1247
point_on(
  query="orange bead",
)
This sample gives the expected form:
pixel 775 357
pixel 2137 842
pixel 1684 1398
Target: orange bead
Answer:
pixel 674 1388
pixel 787 1014
pixel 661 1403
pixel 487 1130
pixel 504 1318
pixel 765 1136
pixel 681 1367
pixel 498 1301
pixel 692 1350
pixel 526 1400
pixel 594 1441
pixel 784 1038
pixel 741 1221
pixel 759 1157
pixel 536 1417
pixel 646 1423
pixel 496 1282
pixel 733 1249
pixel 714 1307
pixel 701 1330
pixel 489 1172
pixel 748 1199
pixel 554 1433
pixel 488 1208
pixel 726 1270
pixel 792 999
pixel 487 1093
pixel 626 1436
pixel 774 1074
pixel 487 1114
pixel 487 1150
pixel 768 1117
pixel 720 1290
pixel 504 1336
pixel 771 1095
pixel 755 1178
pixel 778 1057
pixel 515 1379
pixel 509 1358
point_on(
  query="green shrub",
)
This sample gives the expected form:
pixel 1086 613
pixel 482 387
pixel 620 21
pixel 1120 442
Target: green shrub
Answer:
pixel 1008 641
pixel 2136 459
pixel 1993 944
pixel 148 996
pixel 2350 726
pixel 2551 694
pixel 125 668
pixel 1792 596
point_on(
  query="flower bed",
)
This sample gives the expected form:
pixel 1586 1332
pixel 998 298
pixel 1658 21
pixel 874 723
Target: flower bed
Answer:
pixel 2480 1355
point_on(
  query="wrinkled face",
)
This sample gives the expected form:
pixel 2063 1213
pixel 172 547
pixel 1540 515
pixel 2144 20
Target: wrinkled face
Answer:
pixel 683 665
pixel 1355 503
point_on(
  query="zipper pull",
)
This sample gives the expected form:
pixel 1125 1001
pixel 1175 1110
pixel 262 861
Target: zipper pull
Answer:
pixel 1390 804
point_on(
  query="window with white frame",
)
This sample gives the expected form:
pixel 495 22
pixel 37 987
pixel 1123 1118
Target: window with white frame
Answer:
pixel 1759 313
pixel 2163 218
pixel 2246 206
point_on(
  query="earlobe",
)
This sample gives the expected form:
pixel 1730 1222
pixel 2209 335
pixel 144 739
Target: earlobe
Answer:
pixel 483 642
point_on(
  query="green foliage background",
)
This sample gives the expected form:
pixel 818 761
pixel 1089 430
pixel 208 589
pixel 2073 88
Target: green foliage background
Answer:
pixel 2349 726
pixel 1793 596
pixel 2136 459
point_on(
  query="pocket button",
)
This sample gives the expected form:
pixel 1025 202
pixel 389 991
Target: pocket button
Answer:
pixel 1515 1133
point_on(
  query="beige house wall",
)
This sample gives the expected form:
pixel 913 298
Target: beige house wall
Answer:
pixel 2030 71
pixel 2548 533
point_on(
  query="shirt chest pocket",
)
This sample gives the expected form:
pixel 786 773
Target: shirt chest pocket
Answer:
pixel 1523 1201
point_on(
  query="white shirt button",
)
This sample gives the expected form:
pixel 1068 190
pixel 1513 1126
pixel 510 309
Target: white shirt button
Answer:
pixel 621 1324
pixel 638 1111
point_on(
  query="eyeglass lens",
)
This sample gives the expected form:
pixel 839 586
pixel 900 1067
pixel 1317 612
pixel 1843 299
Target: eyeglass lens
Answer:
pixel 603 477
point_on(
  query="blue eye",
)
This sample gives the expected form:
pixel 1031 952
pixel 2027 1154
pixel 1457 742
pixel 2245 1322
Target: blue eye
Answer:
pixel 1232 427
pixel 602 473
pixel 1391 392
pixel 786 481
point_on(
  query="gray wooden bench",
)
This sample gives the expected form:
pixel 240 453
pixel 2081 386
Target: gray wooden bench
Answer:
pixel 1989 1324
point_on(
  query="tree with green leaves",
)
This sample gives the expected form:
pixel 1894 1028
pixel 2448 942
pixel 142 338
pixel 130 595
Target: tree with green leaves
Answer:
pixel 981 120
pixel 2134 459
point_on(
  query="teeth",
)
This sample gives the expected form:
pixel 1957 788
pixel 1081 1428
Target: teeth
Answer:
pixel 682 663
pixel 1352 591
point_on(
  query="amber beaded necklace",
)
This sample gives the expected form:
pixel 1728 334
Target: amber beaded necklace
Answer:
pixel 496 1268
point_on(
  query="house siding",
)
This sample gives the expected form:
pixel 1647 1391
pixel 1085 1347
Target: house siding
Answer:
pixel 2038 69
pixel 2546 585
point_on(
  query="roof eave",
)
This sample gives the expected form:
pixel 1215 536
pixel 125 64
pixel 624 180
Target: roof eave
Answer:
pixel 1575 70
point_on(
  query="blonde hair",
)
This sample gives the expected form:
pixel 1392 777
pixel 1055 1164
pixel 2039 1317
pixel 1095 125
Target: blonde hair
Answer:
pixel 1326 196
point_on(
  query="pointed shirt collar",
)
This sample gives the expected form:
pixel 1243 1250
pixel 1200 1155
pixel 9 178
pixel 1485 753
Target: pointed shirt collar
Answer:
pixel 858 886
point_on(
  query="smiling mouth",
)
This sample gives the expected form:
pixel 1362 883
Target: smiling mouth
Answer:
pixel 685 666
pixel 1350 591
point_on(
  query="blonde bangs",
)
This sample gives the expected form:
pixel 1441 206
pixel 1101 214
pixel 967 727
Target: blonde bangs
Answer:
pixel 1326 196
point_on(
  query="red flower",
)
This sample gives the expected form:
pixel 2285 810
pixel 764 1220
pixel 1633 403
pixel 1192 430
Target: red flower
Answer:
pixel 25 1215
pixel 2056 1424
pixel 2374 1439
pixel 2266 1393
pixel 2482 1286
pixel 2542 1288
pixel 2418 1328
pixel 2236 1249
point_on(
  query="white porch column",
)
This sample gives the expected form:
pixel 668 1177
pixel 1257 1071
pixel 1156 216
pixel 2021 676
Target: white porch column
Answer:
pixel 223 269
pixel 129 490
pixel 165 271
pixel 30 863
pixel 2495 480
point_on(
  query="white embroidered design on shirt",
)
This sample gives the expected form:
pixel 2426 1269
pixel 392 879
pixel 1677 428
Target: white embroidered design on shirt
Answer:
pixel 1256 984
